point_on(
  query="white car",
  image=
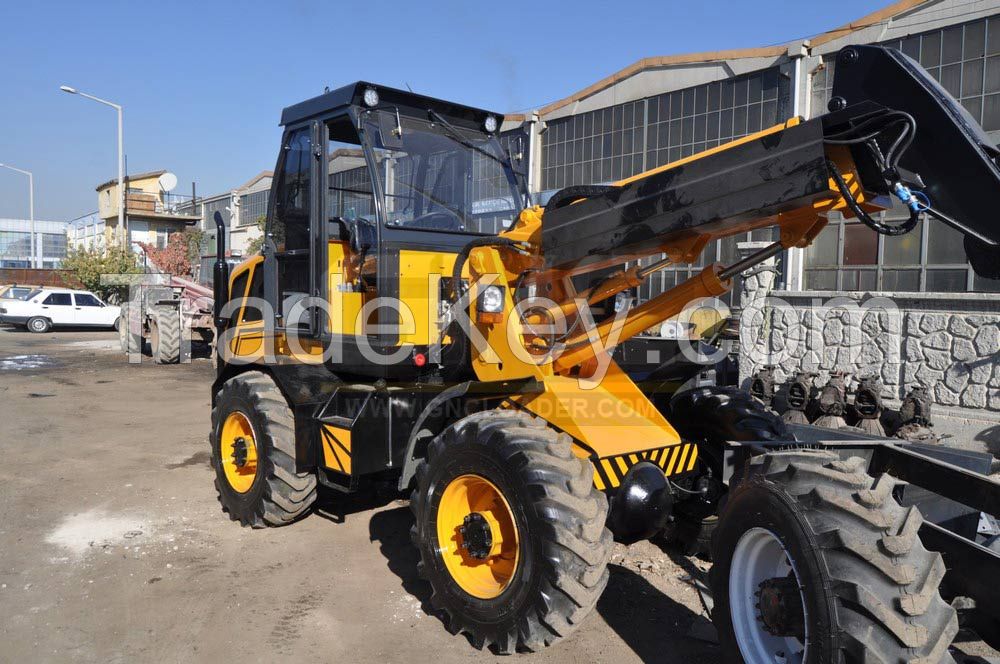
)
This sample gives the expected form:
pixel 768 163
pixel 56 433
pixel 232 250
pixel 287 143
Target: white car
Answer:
pixel 49 307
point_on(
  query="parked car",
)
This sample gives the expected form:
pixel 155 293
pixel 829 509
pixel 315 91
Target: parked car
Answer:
pixel 16 291
pixel 45 308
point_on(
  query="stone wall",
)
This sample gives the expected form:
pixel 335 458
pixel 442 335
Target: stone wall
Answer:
pixel 948 343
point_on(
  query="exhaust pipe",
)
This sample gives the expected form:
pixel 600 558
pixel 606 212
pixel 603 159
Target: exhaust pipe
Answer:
pixel 220 273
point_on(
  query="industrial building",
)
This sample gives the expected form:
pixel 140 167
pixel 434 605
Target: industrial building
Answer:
pixel 16 244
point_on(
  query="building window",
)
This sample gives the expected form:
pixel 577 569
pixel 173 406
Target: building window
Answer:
pixel 253 206
pixel 603 145
pixel 613 143
pixel 964 58
pixel 849 256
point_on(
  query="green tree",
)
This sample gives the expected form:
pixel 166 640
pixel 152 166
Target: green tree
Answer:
pixel 88 264
pixel 256 244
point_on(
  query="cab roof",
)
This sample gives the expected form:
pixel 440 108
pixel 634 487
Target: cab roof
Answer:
pixel 408 103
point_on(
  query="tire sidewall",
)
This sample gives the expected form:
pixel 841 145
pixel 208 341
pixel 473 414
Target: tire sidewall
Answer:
pixel 758 503
pixel 466 458
pixel 236 395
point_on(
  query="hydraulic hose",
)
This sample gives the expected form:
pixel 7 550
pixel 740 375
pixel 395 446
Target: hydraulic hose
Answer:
pixel 463 256
pixel 864 217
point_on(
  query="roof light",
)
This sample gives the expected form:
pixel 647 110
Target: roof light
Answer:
pixel 371 97
pixel 490 124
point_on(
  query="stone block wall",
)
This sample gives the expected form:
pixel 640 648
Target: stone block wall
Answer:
pixel 948 343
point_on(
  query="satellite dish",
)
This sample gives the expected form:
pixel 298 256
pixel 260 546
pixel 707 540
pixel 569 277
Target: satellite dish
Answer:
pixel 168 181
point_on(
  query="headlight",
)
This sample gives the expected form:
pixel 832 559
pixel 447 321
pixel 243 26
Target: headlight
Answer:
pixel 622 301
pixel 371 97
pixel 490 124
pixel 491 300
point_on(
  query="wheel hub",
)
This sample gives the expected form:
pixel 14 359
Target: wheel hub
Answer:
pixel 779 607
pixel 240 452
pixel 477 536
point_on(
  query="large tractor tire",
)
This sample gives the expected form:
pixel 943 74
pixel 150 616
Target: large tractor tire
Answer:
pixel 710 416
pixel 815 561
pixel 511 531
pixel 253 454
pixel 165 335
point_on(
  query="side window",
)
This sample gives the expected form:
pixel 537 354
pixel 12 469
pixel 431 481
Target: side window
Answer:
pixel 237 294
pixel 290 225
pixel 58 299
pixel 86 300
pixel 252 312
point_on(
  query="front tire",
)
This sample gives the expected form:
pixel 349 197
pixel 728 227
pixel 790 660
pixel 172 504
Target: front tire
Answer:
pixel 253 454
pixel 542 499
pixel 815 561
pixel 38 325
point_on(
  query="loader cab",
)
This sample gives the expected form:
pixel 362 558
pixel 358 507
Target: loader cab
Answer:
pixel 375 192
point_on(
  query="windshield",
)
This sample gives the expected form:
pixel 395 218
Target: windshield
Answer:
pixel 440 177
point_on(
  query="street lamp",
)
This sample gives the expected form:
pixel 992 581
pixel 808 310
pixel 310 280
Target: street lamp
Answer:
pixel 31 207
pixel 121 157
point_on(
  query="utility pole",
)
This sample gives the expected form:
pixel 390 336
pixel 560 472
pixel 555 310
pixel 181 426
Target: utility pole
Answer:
pixel 31 210
pixel 123 235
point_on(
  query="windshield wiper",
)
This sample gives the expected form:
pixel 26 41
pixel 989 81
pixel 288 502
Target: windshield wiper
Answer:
pixel 508 167
pixel 456 136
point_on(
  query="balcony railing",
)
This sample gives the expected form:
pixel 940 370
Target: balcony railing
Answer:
pixel 137 201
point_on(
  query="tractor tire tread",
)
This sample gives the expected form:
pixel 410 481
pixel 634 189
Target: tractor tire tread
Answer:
pixel 577 545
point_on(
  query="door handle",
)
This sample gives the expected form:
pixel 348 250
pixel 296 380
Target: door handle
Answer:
pixel 77 308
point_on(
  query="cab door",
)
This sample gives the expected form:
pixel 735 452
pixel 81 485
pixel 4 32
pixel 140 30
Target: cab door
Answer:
pixel 291 262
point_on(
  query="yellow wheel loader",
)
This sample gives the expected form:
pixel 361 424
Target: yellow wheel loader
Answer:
pixel 414 319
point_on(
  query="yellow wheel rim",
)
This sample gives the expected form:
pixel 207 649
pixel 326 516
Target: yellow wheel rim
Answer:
pixel 477 536
pixel 239 452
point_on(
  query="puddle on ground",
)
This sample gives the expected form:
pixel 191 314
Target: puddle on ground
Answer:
pixel 25 362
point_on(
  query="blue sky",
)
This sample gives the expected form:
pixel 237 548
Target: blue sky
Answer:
pixel 203 83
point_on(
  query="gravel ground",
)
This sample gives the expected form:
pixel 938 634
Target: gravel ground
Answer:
pixel 113 547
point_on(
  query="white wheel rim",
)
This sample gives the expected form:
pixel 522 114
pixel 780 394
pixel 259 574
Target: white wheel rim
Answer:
pixel 759 556
pixel 37 325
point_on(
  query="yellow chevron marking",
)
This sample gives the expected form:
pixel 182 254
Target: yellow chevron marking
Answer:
pixel 621 464
pixel 673 459
pixel 598 482
pixel 610 472
pixel 683 459
pixel 694 457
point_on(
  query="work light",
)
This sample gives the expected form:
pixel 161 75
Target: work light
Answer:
pixel 491 300
pixel 371 97
pixel 490 124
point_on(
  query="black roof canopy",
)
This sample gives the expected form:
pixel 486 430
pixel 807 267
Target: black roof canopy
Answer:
pixel 408 103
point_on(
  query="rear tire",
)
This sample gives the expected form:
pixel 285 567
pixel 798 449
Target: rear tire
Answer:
pixel 868 586
pixel 165 335
pixel 275 494
pixel 38 325
pixel 563 546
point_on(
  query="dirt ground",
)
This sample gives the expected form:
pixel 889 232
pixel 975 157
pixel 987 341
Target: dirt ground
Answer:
pixel 113 547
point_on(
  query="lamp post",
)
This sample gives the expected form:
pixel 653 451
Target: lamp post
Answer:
pixel 31 207
pixel 121 156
